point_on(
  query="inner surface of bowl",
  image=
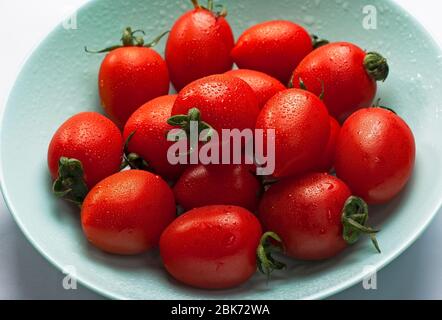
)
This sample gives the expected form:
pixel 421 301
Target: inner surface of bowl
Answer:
pixel 60 79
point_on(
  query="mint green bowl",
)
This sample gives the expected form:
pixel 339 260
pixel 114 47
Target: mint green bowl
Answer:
pixel 59 80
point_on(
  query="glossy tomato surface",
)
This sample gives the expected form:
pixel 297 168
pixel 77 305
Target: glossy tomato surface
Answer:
pixel 306 213
pixel 273 47
pixel 262 84
pixel 225 102
pixel 302 128
pixel 130 77
pixel 149 127
pixel 92 139
pixel 127 212
pixel 337 70
pixel 199 45
pixel 375 154
pixel 201 186
pixel 212 247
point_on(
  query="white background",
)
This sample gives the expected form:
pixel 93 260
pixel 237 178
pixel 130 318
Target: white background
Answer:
pixel 24 274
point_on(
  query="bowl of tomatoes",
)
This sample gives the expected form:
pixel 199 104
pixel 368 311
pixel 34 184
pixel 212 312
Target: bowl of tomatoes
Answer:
pixel 116 159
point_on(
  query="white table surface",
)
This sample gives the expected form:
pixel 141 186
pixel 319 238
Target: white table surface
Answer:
pixel 24 274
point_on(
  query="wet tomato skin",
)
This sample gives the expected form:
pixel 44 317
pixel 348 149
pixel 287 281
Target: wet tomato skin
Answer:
pixel 375 154
pixel 302 128
pixel 201 186
pixel 199 45
pixel 126 213
pixel 273 47
pixel 130 77
pixel 91 138
pixel 225 102
pixel 149 141
pixel 212 247
pixel 337 70
pixel 262 84
pixel 306 213
pixel 327 159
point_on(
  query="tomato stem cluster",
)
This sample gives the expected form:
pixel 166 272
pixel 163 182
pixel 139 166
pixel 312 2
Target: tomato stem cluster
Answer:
pixel 354 220
pixel 270 243
pixel 376 66
pixel 70 184
pixel 184 121
pixel 130 39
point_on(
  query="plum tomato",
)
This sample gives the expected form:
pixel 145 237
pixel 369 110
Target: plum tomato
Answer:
pixel 199 45
pixel 315 215
pixel 126 213
pixel 85 149
pixel 273 47
pixel 344 74
pixel 375 154
pixel 302 129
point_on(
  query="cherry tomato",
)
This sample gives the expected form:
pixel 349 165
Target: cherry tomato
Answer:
pixel 127 212
pixel 148 127
pixel 325 162
pixel 85 149
pixel 199 45
pixel 302 129
pixel 130 75
pixel 273 47
pixel 312 215
pixel 201 186
pixel 375 154
pixel 225 102
pixel 345 74
pixel 212 247
pixel 262 84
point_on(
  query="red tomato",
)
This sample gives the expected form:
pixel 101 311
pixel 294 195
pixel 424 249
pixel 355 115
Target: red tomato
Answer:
pixel 225 102
pixel 128 78
pixel 375 154
pixel 93 140
pixel 308 214
pixel 149 141
pixel 212 247
pixel 273 47
pixel 325 162
pixel 127 212
pixel 302 127
pixel 201 186
pixel 199 45
pixel 262 84
pixel 344 73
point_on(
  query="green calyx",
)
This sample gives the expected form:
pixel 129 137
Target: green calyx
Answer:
pixel 318 42
pixel 131 39
pixel 70 184
pixel 376 66
pixel 354 219
pixel 184 121
pixel 131 159
pixel 219 10
pixel 270 243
